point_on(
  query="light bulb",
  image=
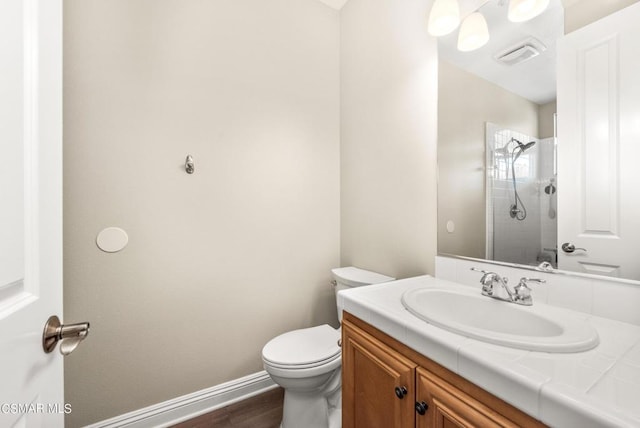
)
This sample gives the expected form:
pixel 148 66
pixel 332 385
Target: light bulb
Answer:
pixel 524 10
pixel 444 17
pixel 474 33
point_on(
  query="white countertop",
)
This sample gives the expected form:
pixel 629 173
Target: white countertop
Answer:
pixel 600 387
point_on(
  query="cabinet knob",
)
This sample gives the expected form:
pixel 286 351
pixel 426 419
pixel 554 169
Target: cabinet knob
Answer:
pixel 421 407
pixel 401 391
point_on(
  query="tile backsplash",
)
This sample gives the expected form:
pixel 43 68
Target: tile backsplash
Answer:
pixel 600 297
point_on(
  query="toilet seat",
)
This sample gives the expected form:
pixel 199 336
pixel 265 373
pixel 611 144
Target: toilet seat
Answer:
pixel 303 349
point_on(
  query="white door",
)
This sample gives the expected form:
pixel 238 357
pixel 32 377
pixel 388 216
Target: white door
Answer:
pixel 599 146
pixel 31 383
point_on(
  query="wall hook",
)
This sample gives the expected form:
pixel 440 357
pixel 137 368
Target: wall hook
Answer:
pixel 188 165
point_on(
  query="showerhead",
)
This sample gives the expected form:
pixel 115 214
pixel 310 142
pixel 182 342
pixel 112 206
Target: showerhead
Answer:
pixel 520 149
pixel 523 147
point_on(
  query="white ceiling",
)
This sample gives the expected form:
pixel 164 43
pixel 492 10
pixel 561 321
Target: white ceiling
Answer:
pixel 534 79
pixel 336 4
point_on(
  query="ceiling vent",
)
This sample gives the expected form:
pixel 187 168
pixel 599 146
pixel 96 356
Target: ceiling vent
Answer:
pixel 520 52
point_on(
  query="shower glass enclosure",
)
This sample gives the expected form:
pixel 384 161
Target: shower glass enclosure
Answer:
pixel 521 195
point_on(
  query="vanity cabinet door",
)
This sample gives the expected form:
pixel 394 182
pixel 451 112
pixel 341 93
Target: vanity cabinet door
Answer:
pixel 378 388
pixel 449 407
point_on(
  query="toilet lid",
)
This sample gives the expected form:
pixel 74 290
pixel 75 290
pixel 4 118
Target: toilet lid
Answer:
pixel 303 348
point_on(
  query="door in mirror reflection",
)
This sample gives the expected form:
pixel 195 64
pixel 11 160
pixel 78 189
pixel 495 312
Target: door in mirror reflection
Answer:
pixel 599 147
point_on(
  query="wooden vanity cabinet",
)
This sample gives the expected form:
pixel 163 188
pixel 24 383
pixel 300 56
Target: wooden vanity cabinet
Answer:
pixel 385 384
pixel 377 383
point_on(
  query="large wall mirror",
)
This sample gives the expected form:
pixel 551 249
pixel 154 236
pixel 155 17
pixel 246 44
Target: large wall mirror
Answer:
pixel 500 190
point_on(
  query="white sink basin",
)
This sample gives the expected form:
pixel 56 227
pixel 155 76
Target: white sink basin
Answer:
pixel 535 328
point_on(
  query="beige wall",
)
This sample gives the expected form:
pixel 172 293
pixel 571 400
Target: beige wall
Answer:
pixel 545 119
pixel 465 103
pixel 220 261
pixel 388 137
pixel 579 13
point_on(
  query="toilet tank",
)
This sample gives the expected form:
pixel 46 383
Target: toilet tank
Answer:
pixel 350 277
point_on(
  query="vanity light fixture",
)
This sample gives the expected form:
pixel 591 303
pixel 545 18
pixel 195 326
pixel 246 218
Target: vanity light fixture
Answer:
pixel 444 17
pixel 474 33
pixel 524 10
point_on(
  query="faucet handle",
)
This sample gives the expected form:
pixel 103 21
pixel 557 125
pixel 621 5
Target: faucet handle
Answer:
pixel 523 292
pixel 524 280
pixel 490 276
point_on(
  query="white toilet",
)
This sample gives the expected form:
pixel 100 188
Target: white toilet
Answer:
pixel 307 362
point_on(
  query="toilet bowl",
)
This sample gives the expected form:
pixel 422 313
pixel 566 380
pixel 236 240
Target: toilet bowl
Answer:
pixel 307 364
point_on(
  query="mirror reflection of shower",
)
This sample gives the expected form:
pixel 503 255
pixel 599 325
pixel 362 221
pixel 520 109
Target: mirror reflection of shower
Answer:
pixel 519 213
pixel 521 197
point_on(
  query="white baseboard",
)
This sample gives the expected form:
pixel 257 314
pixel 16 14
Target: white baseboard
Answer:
pixel 189 406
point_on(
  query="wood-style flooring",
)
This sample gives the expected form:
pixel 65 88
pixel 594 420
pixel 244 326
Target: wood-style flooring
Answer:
pixel 261 411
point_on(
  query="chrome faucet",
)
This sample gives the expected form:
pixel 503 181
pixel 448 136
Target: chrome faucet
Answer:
pixel 520 295
pixel 489 279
